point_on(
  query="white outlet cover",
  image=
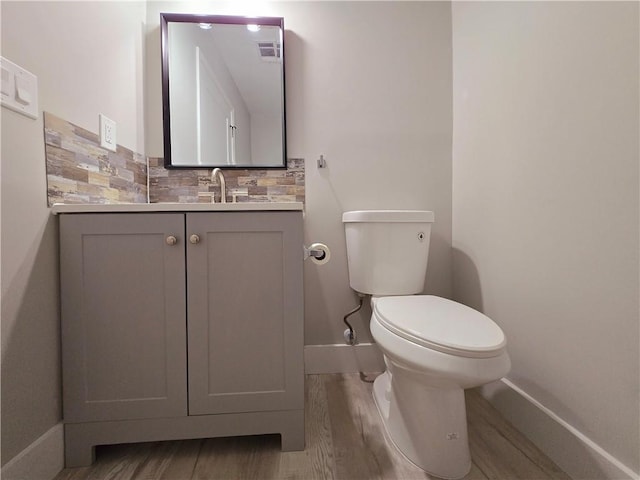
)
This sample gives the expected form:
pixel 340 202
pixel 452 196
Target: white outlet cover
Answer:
pixel 107 133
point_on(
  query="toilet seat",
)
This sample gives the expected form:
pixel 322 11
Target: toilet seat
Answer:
pixel 440 324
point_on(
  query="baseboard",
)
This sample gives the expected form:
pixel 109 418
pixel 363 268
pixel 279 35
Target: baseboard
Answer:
pixel 42 460
pixel 337 358
pixel 574 452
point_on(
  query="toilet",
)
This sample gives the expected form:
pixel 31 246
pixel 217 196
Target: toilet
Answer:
pixel 433 347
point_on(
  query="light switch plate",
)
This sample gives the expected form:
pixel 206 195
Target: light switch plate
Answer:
pixel 19 90
pixel 107 133
pixel 7 84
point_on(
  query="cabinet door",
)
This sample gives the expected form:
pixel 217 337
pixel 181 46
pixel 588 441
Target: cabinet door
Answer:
pixel 123 316
pixel 245 322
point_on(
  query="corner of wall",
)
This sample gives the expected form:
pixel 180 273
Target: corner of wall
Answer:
pixel 42 460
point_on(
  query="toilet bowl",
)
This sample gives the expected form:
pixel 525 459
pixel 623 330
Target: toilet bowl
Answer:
pixel 433 348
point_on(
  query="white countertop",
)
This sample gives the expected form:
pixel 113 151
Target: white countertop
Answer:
pixel 59 208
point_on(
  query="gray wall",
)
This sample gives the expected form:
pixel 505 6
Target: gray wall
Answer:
pixel 369 87
pixel 383 122
pixel 545 203
pixel 88 60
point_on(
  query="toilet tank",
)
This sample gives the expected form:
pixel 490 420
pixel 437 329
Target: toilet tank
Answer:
pixel 387 250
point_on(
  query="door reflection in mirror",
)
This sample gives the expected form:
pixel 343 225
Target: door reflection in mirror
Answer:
pixel 223 91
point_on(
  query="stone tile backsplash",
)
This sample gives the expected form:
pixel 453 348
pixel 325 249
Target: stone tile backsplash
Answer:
pixel 80 171
pixel 193 186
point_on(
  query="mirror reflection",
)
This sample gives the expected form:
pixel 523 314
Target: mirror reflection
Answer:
pixel 223 91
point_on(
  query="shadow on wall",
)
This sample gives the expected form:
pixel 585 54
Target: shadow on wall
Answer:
pixel 328 312
pixel 556 441
pixel 466 288
pixel 31 378
pixel 438 279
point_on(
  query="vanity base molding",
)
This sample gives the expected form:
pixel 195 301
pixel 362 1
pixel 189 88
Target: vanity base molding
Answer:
pixel 80 439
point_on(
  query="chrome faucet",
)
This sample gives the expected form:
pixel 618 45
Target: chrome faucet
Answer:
pixel 216 173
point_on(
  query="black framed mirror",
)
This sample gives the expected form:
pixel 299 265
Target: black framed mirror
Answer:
pixel 223 91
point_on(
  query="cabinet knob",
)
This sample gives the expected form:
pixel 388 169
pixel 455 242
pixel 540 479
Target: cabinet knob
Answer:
pixel 194 239
pixel 171 240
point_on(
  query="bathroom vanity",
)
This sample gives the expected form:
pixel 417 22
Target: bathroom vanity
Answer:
pixel 180 322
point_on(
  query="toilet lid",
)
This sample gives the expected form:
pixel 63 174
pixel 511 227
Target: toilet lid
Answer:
pixel 441 324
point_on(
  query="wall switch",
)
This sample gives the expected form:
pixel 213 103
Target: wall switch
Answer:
pixel 6 85
pixel 107 133
pixel 23 95
pixel 18 89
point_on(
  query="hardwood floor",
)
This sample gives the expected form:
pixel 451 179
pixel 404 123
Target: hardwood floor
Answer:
pixel 345 440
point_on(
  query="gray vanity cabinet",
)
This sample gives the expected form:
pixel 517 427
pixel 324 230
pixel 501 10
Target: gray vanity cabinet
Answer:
pixel 123 317
pixel 181 325
pixel 244 288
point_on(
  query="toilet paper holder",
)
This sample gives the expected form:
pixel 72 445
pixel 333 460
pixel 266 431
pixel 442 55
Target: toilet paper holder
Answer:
pixel 314 251
pixel 318 252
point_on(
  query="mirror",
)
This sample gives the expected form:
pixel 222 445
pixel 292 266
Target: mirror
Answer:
pixel 223 91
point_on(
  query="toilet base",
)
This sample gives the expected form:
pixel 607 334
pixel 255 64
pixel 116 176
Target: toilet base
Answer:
pixel 427 425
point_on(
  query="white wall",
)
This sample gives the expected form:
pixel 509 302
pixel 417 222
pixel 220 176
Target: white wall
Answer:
pixel 369 87
pixel 545 181
pixel 88 60
pixel 383 123
pixel 545 207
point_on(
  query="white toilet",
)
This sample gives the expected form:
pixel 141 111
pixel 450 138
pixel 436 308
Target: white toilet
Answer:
pixel 434 348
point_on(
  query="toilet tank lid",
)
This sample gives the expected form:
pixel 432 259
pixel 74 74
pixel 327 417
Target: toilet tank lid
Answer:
pixel 387 216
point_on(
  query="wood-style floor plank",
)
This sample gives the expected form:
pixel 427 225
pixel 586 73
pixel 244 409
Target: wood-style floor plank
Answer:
pixel 118 462
pixel 353 456
pixel 250 458
pixel 488 430
pixel 159 456
pixel 316 462
pixel 391 463
pixel 345 440
pixel 171 461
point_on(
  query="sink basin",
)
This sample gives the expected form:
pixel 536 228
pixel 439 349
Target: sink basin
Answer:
pixel 174 207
